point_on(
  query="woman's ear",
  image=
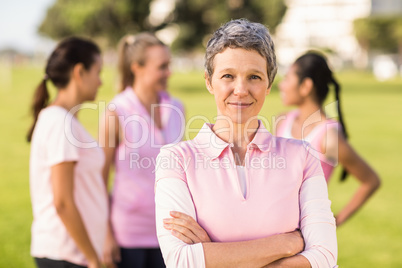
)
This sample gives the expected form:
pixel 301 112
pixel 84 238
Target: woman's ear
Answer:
pixel 208 83
pixel 78 72
pixel 306 87
pixel 268 90
pixel 135 67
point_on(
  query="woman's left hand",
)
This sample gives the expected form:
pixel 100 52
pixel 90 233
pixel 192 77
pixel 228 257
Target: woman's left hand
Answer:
pixel 185 228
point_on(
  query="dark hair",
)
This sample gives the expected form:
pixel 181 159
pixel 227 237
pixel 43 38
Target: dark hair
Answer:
pixel 314 66
pixel 67 54
pixel 131 49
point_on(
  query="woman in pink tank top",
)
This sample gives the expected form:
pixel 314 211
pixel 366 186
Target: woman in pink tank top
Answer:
pixel 306 86
pixel 139 120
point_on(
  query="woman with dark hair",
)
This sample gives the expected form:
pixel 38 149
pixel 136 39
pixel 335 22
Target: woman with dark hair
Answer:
pixel 68 195
pixel 306 85
pixel 139 120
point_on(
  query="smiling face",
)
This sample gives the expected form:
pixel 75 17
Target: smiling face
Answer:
pixel 239 83
pixel 155 72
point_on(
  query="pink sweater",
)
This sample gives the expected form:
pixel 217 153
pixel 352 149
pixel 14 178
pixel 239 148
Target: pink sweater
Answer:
pixel 285 190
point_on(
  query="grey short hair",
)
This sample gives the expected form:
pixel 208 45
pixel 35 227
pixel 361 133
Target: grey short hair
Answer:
pixel 242 33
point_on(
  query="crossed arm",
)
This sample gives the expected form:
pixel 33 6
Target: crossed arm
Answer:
pixel 185 244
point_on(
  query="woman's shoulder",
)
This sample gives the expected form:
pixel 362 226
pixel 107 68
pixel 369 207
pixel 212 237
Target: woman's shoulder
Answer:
pixel 289 146
pixel 283 121
pixel 182 148
pixel 172 100
pixel 54 115
pixel 121 96
pixel 282 141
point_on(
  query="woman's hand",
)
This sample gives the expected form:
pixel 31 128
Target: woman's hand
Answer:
pixel 94 264
pixel 185 228
pixel 111 251
pixel 296 241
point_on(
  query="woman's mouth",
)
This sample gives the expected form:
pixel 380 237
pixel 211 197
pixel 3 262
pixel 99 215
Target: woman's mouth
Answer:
pixel 240 105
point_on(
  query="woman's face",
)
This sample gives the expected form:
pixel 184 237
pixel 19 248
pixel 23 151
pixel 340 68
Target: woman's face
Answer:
pixel 155 72
pixel 289 87
pixel 91 79
pixel 239 84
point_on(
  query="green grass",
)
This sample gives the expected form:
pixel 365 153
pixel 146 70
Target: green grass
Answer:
pixel 372 238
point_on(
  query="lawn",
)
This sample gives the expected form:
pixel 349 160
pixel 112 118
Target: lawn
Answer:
pixel 372 110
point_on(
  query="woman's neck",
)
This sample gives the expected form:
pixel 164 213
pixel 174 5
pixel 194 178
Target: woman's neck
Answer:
pixel 240 135
pixel 307 119
pixel 69 100
pixel 307 108
pixel 146 96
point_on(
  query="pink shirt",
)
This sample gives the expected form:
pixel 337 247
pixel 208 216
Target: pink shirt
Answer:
pixel 285 190
pixel 133 198
pixel 316 138
pixel 59 137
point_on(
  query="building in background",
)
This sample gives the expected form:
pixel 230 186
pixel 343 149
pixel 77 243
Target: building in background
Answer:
pixel 327 25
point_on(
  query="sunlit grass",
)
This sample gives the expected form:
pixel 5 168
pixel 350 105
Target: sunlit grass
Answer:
pixel 372 110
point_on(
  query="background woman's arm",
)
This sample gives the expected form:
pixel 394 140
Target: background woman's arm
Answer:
pixel 358 168
pixel 109 140
pixel 62 177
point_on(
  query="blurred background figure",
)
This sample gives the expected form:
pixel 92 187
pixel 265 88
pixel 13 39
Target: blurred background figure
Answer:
pixel 138 121
pixel 68 195
pixel 306 86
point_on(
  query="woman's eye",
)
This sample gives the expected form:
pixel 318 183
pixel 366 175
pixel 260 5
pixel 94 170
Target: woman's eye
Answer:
pixel 227 76
pixel 255 77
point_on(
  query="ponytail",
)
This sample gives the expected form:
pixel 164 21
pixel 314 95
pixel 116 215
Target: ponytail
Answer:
pixel 341 121
pixel 124 62
pixel 314 65
pixel 40 101
pixel 67 54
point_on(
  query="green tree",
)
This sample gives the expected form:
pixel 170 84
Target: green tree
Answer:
pixel 363 33
pixel 199 18
pixel 378 33
pixel 106 20
pixel 397 34
pixel 109 20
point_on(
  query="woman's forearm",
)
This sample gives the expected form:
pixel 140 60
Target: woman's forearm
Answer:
pixel 360 197
pixel 253 253
pixel 72 220
pixel 62 177
pixel 298 261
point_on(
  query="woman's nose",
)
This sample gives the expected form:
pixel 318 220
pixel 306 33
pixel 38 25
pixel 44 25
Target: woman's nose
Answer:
pixel 241 88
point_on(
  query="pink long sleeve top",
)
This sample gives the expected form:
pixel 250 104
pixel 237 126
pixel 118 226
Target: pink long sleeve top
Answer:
pixel 285 190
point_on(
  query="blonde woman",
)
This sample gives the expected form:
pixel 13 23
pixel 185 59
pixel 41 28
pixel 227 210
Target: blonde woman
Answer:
pixel 139 120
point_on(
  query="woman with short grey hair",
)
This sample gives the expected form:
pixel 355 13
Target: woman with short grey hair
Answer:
pixel 235 196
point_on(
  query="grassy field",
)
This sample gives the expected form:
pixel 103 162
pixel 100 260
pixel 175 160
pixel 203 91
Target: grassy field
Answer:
pixel 372 238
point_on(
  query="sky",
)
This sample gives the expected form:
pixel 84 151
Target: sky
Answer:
pixel 19 21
